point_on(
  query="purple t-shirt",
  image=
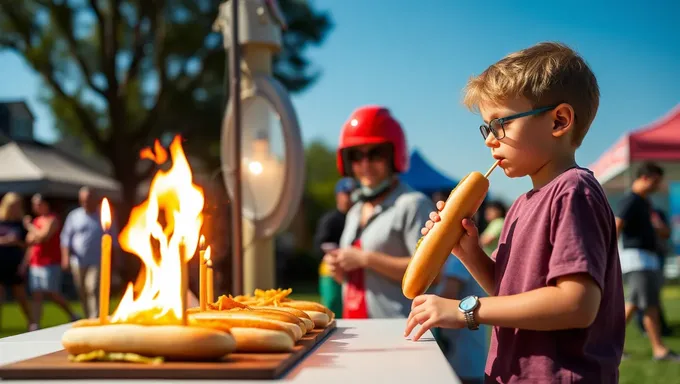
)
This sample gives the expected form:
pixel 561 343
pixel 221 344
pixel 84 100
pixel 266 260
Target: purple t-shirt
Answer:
pixel 564 228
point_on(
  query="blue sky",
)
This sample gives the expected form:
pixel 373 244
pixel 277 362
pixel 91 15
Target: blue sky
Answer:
pixel 415 58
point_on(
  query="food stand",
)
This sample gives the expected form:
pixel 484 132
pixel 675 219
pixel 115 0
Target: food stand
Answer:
pixel 367 351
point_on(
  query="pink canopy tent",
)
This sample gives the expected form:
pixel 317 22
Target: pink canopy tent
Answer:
pixel 658 142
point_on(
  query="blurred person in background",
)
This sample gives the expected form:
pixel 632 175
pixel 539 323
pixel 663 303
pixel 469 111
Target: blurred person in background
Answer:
pixel 326 239
pixel 383 227
pixel 662 226
pixel 12 248
pixel 494 213
pixel 81 247
pixel 638 249
pixel 465 350
pixel 45 260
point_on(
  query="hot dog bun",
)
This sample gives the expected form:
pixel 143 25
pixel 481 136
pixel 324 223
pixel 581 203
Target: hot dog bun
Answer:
pixel 302 315
pixel 172 342
pixel 256 331
pixel 434 248
pixel 320 315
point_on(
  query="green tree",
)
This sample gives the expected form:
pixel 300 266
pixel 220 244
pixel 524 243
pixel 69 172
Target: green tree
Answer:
pixel 322 174
pixel 120 73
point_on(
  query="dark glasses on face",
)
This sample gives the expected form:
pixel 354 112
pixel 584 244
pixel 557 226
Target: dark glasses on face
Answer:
pixel 496 126
pixel 373 154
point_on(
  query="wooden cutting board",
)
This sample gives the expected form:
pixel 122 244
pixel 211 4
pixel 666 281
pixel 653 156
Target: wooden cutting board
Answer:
pixel 55 366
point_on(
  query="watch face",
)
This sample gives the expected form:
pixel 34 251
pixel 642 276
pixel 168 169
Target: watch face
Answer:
pixel 468 304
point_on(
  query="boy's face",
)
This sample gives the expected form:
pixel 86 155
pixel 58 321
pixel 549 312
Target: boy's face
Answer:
pixel 528 143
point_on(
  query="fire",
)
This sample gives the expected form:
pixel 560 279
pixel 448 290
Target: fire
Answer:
pixel 171 214
pixel 105 216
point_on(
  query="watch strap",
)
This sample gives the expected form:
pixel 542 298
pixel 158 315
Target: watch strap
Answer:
pixel 470 320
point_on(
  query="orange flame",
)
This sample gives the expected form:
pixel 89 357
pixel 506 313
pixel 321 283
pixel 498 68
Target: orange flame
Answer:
pixel 158 155
pixel 105 216
pixel 206 255
pixel 172 194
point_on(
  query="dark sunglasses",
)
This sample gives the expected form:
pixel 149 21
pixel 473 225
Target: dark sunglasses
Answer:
pixel 373 154
pixel 496 126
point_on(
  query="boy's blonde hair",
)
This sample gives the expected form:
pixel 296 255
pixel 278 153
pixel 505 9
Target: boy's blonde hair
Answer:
pixel 546 74
pixel 8 200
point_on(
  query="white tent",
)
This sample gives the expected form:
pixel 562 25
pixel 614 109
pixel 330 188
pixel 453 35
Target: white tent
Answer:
pixel 28 168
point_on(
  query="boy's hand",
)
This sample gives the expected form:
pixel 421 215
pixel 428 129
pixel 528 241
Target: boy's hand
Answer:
pixel 469 242
pixel 433 311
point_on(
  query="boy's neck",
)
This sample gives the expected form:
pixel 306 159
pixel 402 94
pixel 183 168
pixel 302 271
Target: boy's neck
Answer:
pixel 552 169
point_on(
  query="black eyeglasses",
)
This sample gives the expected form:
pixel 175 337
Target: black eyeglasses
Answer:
pixel 373 154
pixel 496 127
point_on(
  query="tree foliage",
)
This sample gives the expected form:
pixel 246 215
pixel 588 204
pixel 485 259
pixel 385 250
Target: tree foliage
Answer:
pixel 120 73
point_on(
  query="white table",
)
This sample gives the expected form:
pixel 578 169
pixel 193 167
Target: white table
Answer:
pixel 358 351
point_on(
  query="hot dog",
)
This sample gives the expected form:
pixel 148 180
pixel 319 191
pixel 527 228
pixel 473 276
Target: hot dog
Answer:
pixel 225 303
pixel 302 315
pixel 434 248
pixel 318 313
pixel 256 331
pixel 173 342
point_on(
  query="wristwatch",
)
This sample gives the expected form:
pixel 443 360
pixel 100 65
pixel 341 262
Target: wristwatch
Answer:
pixel 468 306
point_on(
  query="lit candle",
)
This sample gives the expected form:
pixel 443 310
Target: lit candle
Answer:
pixel 210 283
pixel 184 284
pixel 202 276
pixel 105 269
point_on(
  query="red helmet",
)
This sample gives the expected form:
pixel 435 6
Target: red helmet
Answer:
pixel 373 125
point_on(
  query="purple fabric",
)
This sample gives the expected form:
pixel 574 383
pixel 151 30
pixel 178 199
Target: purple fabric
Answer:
pixel 567 227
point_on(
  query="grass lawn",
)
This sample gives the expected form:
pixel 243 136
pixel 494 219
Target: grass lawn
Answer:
pixel 638 369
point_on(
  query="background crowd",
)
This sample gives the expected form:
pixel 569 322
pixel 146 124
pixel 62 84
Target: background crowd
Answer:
pixel 37 250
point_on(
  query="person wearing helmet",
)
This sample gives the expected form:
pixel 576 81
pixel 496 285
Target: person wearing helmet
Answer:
pixel 327 237
pixel 383 226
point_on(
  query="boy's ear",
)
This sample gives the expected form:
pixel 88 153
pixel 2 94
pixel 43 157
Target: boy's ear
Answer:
pixel 563 119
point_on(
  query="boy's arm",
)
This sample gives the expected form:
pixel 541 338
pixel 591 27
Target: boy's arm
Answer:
pixel 481 267
pixel 572 303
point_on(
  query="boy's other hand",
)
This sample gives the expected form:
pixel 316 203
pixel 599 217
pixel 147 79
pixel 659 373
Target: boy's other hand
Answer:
pixel 469 242
pixel 433 311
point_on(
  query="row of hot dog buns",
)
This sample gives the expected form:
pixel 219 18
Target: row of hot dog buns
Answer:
pixel 270 322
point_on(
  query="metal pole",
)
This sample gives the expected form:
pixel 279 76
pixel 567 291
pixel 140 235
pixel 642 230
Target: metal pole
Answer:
pixel 236 206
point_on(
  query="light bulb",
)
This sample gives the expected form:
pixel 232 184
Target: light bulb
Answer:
pixel 255 167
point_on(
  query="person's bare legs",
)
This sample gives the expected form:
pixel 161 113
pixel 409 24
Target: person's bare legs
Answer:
pixel 630 311
pixel 653 328
pixel 37 299
pixel 19 293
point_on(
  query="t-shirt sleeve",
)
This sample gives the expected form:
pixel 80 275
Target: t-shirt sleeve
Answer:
pixel 417 214
pixel 579 232
pixel 626 208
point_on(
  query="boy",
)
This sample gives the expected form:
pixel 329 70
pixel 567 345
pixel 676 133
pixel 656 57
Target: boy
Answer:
pixel 556 297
